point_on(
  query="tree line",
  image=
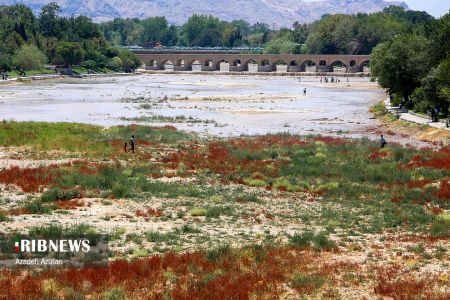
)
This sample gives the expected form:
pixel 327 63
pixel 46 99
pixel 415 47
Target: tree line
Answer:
pixel 332 34
pixel 414 67
pixel 29 42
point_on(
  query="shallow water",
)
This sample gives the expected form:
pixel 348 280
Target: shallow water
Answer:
pixel 233 105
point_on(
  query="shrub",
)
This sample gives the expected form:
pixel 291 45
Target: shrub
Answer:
pixel 120 190
pixel 217 211
pixel 37 207
pixel 218 253
pixel 116 293
pixel 56 194
pixel 255 182
pixel 307 283
pixel 198 212
pixel 440 228
pixel 319 241
pixel 3 217
pixel 140 252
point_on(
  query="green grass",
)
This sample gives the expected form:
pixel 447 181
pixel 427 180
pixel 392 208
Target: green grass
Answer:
pixel 319 241
pixel 84 138
pixel 55 194
pixel 31 73
pixel 55 231
pixel 3 217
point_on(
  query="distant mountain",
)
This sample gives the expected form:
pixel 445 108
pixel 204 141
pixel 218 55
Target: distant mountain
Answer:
pixel 274 12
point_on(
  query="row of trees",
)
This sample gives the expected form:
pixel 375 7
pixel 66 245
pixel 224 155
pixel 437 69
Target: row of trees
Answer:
pixel 414 67
pixel 29 42
pixel 332 34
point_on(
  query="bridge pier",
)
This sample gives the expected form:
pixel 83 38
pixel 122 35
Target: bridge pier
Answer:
pixel 237 68
pixel 182 68
pixel 208 68
pixel 295 69
pixel 323 69
pixel 267 68
pixel 354 69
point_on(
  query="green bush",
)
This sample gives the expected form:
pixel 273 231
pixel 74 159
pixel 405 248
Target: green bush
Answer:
pixel 219 252
pixel 307 282
pixel 198 212
pixel 440 228
pixel 319 241
pixel 56 194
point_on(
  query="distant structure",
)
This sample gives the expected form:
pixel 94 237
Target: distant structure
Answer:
pixel 235 61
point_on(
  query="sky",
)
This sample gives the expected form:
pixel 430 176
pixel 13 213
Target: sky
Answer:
pixel 436 8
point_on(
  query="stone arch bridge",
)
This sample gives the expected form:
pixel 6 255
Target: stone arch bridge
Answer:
pixel 239 62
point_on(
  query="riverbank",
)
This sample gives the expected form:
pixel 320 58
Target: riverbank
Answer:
pixel 410 125
pixel 57 76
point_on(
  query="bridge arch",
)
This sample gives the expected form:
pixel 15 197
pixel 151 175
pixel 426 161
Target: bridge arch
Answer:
pixel 293 63
pixel 180 62
pixel 194 62
pixel 265 62
pixel 220 61
pixel 166 65
pixel 308 65
pixel 237 62
pixel 364 64
pixel 280 65
pixel 338 65
pixel 208 63
pixel 352 63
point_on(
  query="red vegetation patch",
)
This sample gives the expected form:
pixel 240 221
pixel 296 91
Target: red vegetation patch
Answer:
pixel 253 274
pixel 28 179
pixel 149 213
pixel 329 140
pixel 418 183
pixel 377 154
pixel 399 283
pixel 444 191
pixel 439 160
pixel 35 179
pixel 267 141
pixel 69 204
pixel 218 158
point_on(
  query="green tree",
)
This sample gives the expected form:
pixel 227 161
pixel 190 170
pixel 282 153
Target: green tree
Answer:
pixel 69 53
pixel 29 57
pixel 281 46
pixel 130 62
pixel 155 29
pixel 49 21
pixel 401 64
pixel 443 83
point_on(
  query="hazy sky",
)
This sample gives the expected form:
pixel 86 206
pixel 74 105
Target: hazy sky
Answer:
pixel 436 8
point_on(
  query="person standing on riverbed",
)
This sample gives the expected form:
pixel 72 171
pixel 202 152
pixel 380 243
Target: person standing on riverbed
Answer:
pixel 304 92
pixel 382 142
pixel 132 144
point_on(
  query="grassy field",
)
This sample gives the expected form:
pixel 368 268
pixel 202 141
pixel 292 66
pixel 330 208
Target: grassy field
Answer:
pixel 266 217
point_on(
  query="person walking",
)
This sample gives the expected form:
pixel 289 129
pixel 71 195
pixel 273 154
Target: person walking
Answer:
pixel 304 92
pixel 125 147
pixel 132 144
pixel 382 142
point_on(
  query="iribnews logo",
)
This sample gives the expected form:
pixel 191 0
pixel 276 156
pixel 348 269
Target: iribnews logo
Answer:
pixel 22 245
